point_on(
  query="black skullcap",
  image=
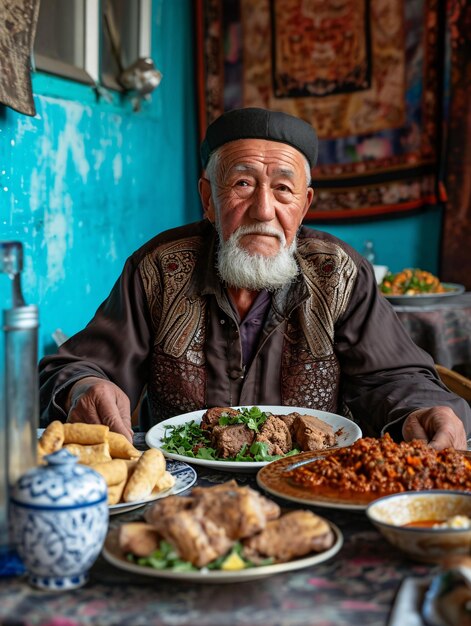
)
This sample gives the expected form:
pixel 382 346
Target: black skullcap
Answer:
pixel 255 123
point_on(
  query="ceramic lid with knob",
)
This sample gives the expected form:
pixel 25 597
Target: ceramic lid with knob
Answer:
pixel 59 519
pixel 62 483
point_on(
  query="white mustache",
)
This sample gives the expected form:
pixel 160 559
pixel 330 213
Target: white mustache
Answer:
pixel 259 229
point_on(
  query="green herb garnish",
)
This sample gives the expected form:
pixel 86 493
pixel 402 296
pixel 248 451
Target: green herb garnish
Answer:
pixel 166 557
pixel 253 418
pixel 191 440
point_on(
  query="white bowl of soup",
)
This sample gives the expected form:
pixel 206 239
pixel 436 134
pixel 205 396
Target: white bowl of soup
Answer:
pixel 425 525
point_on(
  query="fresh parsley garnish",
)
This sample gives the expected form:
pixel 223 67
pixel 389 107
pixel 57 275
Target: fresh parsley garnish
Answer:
pixel 253 418
pixel 166 557
pixel 189 439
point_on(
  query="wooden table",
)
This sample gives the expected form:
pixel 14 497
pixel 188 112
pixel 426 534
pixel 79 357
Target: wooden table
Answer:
pixel 355 587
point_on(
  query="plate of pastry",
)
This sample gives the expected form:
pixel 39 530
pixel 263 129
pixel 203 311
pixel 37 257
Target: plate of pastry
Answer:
pixel 133 477
pixel 184 477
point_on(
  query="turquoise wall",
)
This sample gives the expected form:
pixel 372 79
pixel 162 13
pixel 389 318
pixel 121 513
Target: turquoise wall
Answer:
pixel 86 181
pixel 399 242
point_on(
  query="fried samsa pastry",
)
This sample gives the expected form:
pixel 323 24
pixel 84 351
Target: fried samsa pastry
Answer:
pixel 138 538
pixel 114 472
pixel 149 469
pixel 52 438
pixel 164 482
pixel 85 434
pixel 120 448
pixel 90 455
pixel 289 537
pixel 130 464
pixel 115 492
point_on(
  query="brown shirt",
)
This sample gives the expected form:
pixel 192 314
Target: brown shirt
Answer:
pixel 329 340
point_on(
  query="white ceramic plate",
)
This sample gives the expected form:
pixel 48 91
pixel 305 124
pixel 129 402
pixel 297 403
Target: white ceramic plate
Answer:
pixel 185 477
pixel 113 554
pixel 347 433
pixel 421 299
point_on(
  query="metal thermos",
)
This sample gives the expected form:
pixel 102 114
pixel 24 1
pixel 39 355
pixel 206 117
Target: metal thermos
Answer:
pixel 19 411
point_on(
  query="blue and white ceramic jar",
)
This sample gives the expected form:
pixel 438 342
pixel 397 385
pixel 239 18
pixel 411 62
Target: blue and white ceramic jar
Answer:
pixel 59 521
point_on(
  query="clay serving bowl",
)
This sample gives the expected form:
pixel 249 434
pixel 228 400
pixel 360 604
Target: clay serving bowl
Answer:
pixel 421 541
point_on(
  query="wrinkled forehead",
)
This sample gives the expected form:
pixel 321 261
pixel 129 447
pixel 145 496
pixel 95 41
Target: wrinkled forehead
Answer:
pixel 259 155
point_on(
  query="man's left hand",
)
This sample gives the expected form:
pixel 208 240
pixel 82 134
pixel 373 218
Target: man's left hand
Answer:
pixel 439 425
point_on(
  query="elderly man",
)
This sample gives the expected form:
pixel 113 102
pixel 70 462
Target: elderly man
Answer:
pixel 249 307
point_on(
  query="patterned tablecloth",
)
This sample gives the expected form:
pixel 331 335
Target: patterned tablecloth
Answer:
pixel 355 587
pixel 442 329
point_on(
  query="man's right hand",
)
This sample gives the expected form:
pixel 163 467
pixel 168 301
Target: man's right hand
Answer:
pixel 97 401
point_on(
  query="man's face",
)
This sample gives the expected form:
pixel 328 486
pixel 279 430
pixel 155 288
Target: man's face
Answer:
pixel 259 184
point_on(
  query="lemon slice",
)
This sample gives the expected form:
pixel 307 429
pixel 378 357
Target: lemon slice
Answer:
pixel 233 562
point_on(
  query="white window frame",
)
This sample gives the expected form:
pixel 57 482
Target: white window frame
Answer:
pixel 92 39
pixel 93 27
pixel 145 27
pixel 144 43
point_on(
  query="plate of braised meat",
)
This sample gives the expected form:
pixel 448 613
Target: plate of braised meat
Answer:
pixel 221 534
pixel 247 438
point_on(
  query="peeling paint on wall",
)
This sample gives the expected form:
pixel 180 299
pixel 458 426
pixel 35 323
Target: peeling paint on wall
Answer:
pixel 59 150
pixel 88 181
pixel 117 168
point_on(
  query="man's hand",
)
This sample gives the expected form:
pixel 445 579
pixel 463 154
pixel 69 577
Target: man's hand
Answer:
pixel 97 401
pixel 439 425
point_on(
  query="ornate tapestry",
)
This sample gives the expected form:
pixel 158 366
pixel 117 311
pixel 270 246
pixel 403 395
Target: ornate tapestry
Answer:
pixel 365 73
pixel 18 20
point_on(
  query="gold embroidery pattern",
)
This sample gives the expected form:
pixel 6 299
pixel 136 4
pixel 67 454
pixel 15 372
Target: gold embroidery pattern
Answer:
pixel 178 376
pixel 330 275
pixel 178 386
pixel 166 275
pixel 306 380
pixel 310 370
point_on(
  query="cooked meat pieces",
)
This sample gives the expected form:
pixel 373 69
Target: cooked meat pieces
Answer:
pixel 289 421
pixel 208 522
pixel 281 433
pixel 196 539
pixel 166 507
pixel 228 440
pixel 212 416
pixel 311 433
pixel 275 433
pixel 293 535
pixel 139 538
pixel 241 511
pixel 198 492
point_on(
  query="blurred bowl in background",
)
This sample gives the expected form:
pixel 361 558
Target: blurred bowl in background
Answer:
pixel 392 515
pixel 380 272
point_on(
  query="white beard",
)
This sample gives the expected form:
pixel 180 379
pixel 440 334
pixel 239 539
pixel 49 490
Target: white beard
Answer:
pixel 239 269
